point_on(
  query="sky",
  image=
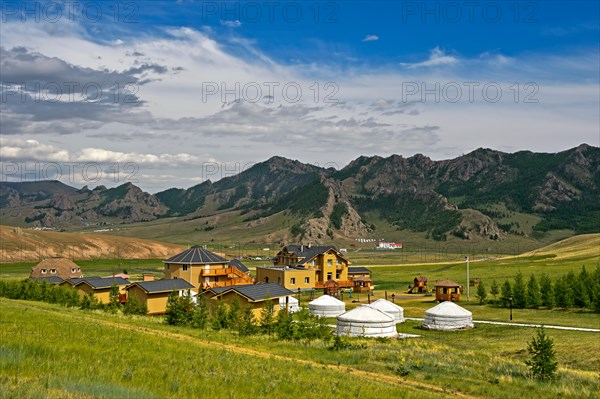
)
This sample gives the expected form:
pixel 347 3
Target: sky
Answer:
pixel 172 93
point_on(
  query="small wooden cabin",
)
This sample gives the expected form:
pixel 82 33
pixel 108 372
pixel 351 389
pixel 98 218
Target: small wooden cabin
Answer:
pixel 447 290
pixel 155 293
pixel 331 288
pixel 253 295
pixel 101 288
pixel 362 285
pixel 419 286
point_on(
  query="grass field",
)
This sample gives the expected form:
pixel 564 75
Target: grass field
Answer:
pixel 59 352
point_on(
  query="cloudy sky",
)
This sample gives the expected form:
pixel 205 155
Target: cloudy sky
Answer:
pixel 168 94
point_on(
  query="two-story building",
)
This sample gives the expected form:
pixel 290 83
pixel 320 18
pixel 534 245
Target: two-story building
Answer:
pixel 305 267
pixel 204 269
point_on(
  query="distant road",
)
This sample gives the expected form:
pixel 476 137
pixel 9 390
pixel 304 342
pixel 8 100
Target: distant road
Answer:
pixel 501 323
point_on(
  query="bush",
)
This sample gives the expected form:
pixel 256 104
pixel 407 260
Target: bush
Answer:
pixel 134 307
pixel 481 293
pixel 246 325
pixel 180 309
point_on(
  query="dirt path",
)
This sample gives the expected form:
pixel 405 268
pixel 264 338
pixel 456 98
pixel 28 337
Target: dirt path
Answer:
pixel 368 375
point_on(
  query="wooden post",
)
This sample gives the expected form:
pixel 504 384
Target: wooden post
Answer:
pixel 386 295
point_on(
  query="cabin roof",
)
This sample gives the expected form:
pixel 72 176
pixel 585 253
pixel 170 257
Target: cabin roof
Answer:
pixel 256 292
pixel 196 255
pixel 165 285
pixel 358 270
pixel 103 282
pixel 421 278
pixel 447 283
pixel 306 253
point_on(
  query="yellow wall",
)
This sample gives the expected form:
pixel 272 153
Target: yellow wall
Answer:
pixel 256 306
pixel 103 295
pixel 283 277
pixel 156 303
pixel 322 265
pixel 193 274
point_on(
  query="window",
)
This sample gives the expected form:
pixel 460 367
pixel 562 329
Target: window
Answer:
pixel 306 280
pixel 73 270
pixel 329 276
pixel 337 262
pixel 185 267
pixel 329 262
pixel 52 271
pixel 43 271
pixel 292 280
pixel 337 275
pixel 312 262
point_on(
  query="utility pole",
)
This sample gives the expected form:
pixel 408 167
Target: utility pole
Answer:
pixel 468 281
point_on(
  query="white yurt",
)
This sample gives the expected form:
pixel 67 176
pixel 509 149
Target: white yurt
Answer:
pixel 293 305
pixel 390 308
pixel 366 321
pixel 326 306
pixel 448 316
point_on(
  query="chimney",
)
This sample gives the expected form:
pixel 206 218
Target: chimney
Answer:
pixel 148 277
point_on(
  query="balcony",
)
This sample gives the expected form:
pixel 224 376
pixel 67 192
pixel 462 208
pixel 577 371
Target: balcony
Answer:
pixel 341 284
pixel 217 272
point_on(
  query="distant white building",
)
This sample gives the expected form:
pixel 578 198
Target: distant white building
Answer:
pixel 389 245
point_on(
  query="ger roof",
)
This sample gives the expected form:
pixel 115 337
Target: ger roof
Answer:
pixel 327 300
pixel 49 279
pixel 448 309
pixel 196 255
pixel 358 269
pixel 239 265
pixel 163 285
pixel 366 314
pixel 386 306
pixel 103 282
pixel 256 292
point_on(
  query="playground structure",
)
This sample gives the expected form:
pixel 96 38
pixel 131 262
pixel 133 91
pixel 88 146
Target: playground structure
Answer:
pixel 419 286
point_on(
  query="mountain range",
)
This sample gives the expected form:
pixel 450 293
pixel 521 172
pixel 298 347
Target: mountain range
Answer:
pixel 485 194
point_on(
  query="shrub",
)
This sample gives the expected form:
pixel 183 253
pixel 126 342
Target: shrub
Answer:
pixel 246 325
pixel 267 320
pixel 134 307
pixel 481 293
pixel 180 309
pixel 200 317
pixel 532 296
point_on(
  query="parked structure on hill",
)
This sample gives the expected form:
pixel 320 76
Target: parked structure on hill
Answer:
pixel 57 267
pixel 204 269
pixel 155 293
pixel 306 267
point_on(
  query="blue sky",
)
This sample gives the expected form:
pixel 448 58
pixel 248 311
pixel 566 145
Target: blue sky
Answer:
pixel 438 78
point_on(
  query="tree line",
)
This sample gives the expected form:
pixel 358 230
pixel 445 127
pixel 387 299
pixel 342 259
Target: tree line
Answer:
pixel 579 290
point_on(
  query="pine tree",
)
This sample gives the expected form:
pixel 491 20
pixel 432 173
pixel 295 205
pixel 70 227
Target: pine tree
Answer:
pixel 133 306
pixel 247 325
pixel 284 326
pixel 562 293
pixel 220 319
pixel 580 295
pixel 533 293
pixel 588 284
pixel 233 315
pixel 506 293
pixel 200 317
pixel 481 293
pixel 494 289
pixel 546 291
pixel 180 309
pixel 520 300
pixel 543 364
pixel 267 318
pixel 114 303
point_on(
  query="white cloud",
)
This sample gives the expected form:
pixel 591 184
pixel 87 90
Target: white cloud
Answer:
pixel 370 38
pixel 437 57
pixel 231 24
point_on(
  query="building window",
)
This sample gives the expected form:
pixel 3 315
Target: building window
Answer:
pixel 329 262
pixel 337 275
pixel 53 271
pixel 73 270
pixel 185 267
pixel 329 276
pixel 292 280
pixel 337 262
pixel 43 271
pixel 306 280
pixel 312 262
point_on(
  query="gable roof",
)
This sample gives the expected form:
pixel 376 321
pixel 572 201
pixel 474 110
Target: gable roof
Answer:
pixel 166 285
pixel 308 253
pixel 49 279
pixel 75 281
pixel 196 255
pixel 255 292
pixel 358 270
pixel 103 282
pixel 239 265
